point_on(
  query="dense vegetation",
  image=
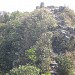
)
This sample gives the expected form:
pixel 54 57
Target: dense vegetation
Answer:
pixel 30 41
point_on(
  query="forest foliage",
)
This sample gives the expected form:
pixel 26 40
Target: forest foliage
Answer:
pixel 29 41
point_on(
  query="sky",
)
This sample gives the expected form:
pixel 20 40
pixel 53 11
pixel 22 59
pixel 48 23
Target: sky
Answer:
pixel 30 5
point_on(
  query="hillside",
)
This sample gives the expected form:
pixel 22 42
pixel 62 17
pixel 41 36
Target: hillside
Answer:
pixel 30 41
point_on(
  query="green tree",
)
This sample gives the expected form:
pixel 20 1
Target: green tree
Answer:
pixel 38 22
pixel 7 53
pixel 4 17
pixel 9 47
pixel 43 51
pixel 65 65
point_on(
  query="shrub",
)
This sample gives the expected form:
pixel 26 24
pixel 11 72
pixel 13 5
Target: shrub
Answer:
pixel 25 70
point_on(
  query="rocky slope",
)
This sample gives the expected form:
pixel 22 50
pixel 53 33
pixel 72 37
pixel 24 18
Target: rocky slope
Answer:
pixel 64 33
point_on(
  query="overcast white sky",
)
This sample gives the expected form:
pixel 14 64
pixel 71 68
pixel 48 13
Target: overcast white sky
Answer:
pixel 30 5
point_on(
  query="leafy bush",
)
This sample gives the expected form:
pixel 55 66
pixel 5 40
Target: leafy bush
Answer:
pixel 25 70
pixel 31 54
pixel 65 65
pixel 47 73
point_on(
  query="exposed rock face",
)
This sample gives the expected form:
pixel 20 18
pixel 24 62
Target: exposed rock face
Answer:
pixel 62 41
pixel 64 33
